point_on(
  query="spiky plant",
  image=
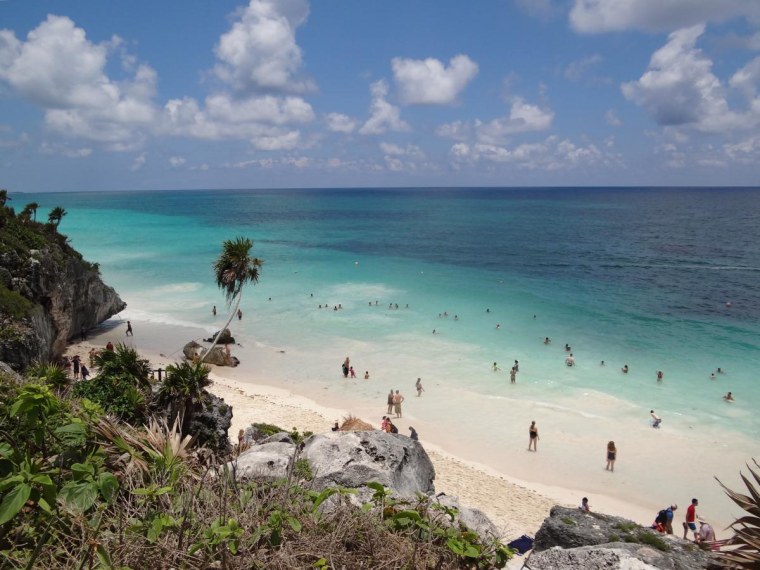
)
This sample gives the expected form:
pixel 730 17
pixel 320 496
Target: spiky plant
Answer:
pixel 745 544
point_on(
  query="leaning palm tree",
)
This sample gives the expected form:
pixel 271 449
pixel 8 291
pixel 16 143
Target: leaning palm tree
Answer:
pixel 183 391
pixel 124 362
pixel 56 215
pixel 32 207
pixel 232 270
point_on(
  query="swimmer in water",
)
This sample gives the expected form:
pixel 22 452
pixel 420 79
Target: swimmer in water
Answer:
pixel 624 369
pixel 659 375
pixel 712 375
pixel 570 361
pixel 496 367
pixel 547 340
pixel 729 397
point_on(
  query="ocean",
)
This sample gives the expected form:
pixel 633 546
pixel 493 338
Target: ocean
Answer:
pixel 656 278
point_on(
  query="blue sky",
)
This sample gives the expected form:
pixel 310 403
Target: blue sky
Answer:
pixel 290 93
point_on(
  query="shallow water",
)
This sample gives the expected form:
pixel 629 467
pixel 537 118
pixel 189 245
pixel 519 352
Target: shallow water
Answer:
pixel 628 276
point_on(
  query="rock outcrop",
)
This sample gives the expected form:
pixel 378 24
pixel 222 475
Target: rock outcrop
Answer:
pixel 352 459
pixel 571 539
pixel 65 296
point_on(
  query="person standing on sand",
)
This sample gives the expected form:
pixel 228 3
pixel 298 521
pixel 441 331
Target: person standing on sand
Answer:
pixel 533 437
pixel 390 402
pixel 691 519
pixel 611 456
pixel 85 372
pixel 129 329
pixel 397 401
pixel 418 386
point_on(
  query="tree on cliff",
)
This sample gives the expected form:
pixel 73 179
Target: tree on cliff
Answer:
pixel 183 391
pixel 32 207
pixel 233 269
pixel 3 197
pixel 56 215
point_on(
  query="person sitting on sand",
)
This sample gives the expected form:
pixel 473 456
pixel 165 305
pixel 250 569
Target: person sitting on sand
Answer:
pixel 656 420
pixel 413 434
pixel 729 397
pixel 384 424
pixel 335 427
pixel 584 506
pixel 705 534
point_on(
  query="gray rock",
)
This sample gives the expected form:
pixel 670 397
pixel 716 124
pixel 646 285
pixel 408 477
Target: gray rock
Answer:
pixel 352 459
pixel 8 371
pixel 191 350
pixel 583 537
pixel 281 437
pixel 270 460
pixel 474 519
pixel 211 424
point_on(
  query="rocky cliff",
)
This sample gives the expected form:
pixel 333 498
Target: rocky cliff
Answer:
pixel 48 292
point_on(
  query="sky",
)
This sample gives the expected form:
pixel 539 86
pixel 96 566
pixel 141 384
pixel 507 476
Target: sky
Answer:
pixel 206 94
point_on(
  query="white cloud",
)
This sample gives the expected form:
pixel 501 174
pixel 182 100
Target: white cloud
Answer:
pixel 551 154
pixel 612 119
pixel 65 150
pixel 177 161
pixel 340 123
pixel 139 162
pixel 458 131
pixel 523 118
pixel 410 150
pixel 429 82
pixel 384 117
pixel 262 120
pixel 57 68
pixel 260 51
pixel 577 69
pixel 679 87
pixel 747 79
pixel 594 16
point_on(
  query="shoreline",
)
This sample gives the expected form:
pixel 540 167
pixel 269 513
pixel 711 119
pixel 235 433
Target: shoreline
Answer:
pixel 516 506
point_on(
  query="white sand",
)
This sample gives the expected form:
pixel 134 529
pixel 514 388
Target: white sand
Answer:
pixel 509 496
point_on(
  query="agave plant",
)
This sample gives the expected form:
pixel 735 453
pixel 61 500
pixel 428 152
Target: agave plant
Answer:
pixel 50 374
pixel 745 551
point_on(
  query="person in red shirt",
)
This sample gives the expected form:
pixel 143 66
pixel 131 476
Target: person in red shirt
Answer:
pixel 691 519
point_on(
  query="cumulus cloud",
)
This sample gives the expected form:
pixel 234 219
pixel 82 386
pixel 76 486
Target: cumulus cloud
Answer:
pixel 594 16
pixel 429 82
pixel 612 119
pixel 576 70
pixel 59 69
pixel 177 161
pixel 747 79
pixel 260 51
pixel 679 87
pixel 458 131
pixel 265 121
pixel 553 153
pixel 139 162
pixel 410 150
pixel 65 150
pixel 339 123
pixel 384 117
pixel 523 118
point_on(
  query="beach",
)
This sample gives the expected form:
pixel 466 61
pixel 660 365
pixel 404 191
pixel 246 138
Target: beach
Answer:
pixel 516 505
pixel 620 275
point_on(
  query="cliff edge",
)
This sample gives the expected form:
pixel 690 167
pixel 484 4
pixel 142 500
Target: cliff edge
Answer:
pixel 48 292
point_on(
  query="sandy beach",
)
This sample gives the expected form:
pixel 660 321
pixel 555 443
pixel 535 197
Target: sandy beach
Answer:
pixel 516 505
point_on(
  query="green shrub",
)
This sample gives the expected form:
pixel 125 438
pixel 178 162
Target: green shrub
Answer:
pixel 115 395
pixel 14 304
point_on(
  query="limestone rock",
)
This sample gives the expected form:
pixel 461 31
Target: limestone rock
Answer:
pixel 352 459
pixel 225 338
pixel 212 423
pixel 191 350
pixel 281 437
pixel 570 538
pixel 270 460
pixel 474 519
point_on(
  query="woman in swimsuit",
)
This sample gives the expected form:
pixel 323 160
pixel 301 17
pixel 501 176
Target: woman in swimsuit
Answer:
pixel 533 433
pixel 611 455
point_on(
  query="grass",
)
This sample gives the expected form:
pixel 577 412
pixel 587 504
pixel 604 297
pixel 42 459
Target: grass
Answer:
pixel 14 304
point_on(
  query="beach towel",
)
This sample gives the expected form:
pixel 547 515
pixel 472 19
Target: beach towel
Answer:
pixel 522 544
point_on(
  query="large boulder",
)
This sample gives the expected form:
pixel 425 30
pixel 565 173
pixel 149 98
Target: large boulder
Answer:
pixel 573 539
pixel 474 519
pixel 352 459
pixel 270 460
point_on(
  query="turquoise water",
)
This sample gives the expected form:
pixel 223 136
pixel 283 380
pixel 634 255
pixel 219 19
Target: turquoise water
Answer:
pixel 624 275
pixel 629 276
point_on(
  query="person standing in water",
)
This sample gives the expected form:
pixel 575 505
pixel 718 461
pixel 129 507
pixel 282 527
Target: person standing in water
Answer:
pixel 513 375
pixel 213 310
pixel 533 437
pixel 418 386
pixel 390 402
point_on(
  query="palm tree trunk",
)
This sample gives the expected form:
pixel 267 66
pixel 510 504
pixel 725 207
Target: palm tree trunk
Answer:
pixel 227 324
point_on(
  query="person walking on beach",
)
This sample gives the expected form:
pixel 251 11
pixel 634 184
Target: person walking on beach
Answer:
pixel 129 329
pixel 390 402
pixel 418 386
pixel 611 456
pixel 656 420
pixel 397 401
pixel 691 519
pixel 533 437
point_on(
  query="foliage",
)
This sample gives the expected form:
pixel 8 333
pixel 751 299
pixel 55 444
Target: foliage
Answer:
pixel 745 544
pixel 13 304
pixel 116 395
pixel 183 390
pixel 49 374
pixel 124 363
